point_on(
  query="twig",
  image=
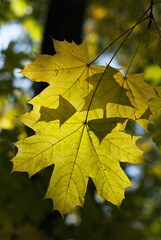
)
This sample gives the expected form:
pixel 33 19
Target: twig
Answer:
pixel 136 51
pixel 151 14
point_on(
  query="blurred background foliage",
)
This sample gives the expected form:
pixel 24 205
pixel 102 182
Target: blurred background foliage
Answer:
pixel 23 213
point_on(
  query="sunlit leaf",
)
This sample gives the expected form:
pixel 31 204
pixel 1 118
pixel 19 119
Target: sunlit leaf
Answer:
pixel 78 154
pixel 66 72
pixel 138 91
pixel 78 121
pixel 107 91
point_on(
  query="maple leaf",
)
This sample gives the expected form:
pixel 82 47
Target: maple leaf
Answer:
pixel 77 153
pixel 65 72
pixel 107 91
pixel 127 98
pixel 138 91
pixel 71 128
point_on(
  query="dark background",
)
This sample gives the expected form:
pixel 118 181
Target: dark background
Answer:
pixel 23 212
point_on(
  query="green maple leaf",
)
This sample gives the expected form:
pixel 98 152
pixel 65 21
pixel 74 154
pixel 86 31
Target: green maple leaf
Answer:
pixel 72 131
pixel 138 91
pixel 77 153
pixel 108 91
pixel 65 72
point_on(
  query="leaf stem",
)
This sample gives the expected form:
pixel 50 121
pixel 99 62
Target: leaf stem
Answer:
pixel 138 22
pixel 136 51
pixel 151 14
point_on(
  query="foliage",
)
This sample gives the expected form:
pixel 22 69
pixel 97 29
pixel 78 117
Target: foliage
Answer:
pixel 79 138
pixel 23 212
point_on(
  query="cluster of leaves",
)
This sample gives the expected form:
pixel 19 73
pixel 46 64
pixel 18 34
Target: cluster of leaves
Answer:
pixel 79 122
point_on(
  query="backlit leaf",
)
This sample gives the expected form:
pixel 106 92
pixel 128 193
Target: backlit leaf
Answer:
pixel 78 154
pixel 65 72
pixel 138 91
pixel 78 122
pixel 107 91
